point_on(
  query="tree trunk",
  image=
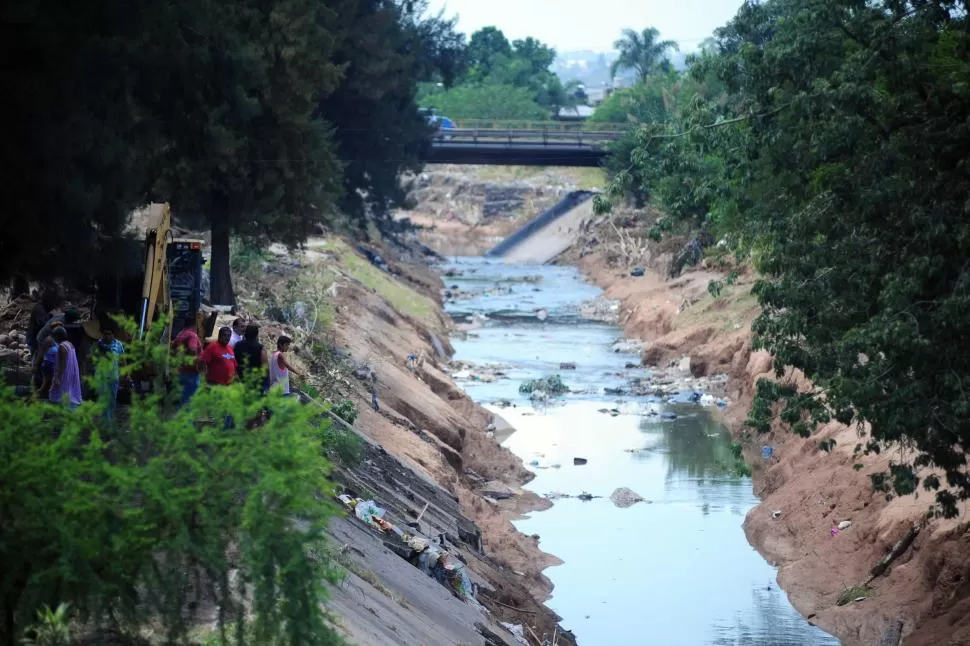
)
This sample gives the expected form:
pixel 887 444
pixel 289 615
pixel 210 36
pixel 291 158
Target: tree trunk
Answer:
pixel 220 278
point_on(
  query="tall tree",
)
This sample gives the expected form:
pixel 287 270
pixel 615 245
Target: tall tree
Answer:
pixel 487 49
pixel 233 87
pixel 642 52
pixel 74 156
pixel 387 50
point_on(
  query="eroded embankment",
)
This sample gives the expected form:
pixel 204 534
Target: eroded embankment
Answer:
pixel 428 453
pixel 804 489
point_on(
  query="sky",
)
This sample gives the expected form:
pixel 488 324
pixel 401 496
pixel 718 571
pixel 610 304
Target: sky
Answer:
pixel 570 25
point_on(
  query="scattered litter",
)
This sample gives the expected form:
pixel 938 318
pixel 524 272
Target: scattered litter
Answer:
pixel 368 511
pixel 552 385
pixel 766 452
pixel 637 272
pixel 776 514
pixel 579 461
pixel 845 524
pixel 517 632
pixel 624 497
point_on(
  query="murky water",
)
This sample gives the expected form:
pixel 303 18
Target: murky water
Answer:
pixel 675 571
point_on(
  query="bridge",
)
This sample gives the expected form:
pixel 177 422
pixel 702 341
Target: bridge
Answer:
pixel 521 146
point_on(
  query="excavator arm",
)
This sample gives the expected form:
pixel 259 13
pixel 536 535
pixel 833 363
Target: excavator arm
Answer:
pixel 154 290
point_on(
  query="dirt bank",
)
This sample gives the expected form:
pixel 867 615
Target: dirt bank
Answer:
pixel 428 441
pixel 467 210
pixel 928 588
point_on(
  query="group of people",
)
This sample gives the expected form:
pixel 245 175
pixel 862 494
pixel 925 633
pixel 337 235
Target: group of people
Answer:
pixel 236 353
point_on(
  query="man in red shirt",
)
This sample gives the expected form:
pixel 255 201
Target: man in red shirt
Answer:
pixel 219 360
pixel 189 342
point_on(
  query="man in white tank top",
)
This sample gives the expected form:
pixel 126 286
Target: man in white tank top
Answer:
pixel 279 368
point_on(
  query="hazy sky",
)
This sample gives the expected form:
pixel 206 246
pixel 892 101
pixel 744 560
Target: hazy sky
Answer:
pixel 592 24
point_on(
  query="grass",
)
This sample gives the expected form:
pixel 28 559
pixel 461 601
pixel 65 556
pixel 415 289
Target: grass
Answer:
pixel 402 298
pixel 855 592
pixel 736 306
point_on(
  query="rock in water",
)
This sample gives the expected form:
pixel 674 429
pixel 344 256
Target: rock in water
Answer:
pixel 624 497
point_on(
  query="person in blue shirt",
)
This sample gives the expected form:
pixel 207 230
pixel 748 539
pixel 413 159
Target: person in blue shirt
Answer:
pixel 109 346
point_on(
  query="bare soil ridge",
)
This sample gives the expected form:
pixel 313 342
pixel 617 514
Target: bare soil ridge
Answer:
pixel 803 488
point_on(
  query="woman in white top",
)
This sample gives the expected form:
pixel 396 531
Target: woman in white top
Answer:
pixel 279 368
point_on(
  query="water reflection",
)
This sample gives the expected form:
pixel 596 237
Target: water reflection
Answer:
pixel 697 447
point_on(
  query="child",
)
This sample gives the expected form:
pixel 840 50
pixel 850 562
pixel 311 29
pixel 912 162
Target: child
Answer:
pixel 279 368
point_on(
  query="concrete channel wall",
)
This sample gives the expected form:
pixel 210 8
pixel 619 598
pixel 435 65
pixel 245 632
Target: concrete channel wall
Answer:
pixel 548 234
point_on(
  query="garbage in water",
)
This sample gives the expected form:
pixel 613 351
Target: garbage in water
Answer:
pixel 552 385
pixel 623 497
pixel 579 461
pixel 567 365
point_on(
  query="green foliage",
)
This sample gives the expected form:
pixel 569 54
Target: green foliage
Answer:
pixel 714 288
pixel 50 629
pixel 503 102
pixel 346 410
pixel 254 119
pixel 386 50
pixel 163 506
pixel 835 160
pixel 503 81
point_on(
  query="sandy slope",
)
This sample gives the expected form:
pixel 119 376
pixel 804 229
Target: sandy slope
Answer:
pixel 928 588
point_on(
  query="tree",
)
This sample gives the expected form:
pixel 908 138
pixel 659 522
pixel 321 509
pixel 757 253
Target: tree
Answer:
pixel 836 161
pixel 235 104
pixel 498 102
pixel 74 156
pixel 642 53
pixel 378 131
pixel 537 55
pixel 486 48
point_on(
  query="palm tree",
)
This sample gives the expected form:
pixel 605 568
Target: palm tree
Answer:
pixel 642 52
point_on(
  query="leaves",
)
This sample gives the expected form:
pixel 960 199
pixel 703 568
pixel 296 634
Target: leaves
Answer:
pixel 159 511
pixel 832 161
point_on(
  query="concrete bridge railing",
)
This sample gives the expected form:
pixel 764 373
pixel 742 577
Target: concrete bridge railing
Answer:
pixel 511 136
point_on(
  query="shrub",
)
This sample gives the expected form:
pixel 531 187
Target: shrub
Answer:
pixel 132 524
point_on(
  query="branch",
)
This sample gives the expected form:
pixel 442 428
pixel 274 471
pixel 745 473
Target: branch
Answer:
pixel 718 124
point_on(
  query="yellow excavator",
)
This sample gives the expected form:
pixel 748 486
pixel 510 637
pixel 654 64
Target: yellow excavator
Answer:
pixel 173 277
pixel 171 285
